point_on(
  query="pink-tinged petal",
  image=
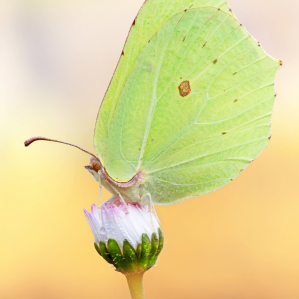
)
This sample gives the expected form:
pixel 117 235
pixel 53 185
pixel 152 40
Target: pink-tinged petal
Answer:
pixel 94 209
pixel 95 212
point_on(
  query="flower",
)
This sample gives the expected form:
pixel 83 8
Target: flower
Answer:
pixel 122 235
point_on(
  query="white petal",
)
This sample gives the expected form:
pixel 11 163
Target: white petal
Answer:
pixel 112 221
pixel 94 225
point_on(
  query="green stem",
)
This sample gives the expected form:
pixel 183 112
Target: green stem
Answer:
pixel 135 285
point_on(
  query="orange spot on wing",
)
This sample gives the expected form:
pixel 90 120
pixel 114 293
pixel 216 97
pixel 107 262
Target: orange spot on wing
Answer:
pixel 184 88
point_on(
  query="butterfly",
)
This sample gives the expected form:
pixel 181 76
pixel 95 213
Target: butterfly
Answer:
pixel 189 105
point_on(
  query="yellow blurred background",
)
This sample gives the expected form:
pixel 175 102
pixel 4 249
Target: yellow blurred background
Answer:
pixel 56 60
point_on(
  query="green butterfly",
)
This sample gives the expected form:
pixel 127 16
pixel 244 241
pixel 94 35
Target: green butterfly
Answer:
pixel 189 105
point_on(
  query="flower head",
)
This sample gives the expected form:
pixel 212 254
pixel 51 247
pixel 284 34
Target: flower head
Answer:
pixel 122 235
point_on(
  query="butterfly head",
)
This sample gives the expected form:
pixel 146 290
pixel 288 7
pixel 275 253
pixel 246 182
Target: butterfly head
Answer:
pixel 94 164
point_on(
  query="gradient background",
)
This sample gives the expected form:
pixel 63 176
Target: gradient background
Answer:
pixel 56 60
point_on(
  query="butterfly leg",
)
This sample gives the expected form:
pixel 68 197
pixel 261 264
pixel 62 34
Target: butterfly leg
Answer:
pixel 121 198
pixel 153 209
pixel 155 213
pixel 147 198
pixel 109 200
pixel 100 183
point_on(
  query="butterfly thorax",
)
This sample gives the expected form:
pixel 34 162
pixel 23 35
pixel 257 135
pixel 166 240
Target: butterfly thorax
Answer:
pixel 131 191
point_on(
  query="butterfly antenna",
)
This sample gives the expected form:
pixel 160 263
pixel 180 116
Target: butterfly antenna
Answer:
pixel 32 139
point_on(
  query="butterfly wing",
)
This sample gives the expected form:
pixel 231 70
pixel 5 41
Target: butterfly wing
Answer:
pixel 196 107
pixel 151 17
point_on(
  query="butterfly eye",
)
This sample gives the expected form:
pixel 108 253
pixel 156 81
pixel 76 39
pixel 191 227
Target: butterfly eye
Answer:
pixel 96 165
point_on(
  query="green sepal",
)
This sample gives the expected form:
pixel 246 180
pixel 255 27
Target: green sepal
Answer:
pixel 146 250
pixel 155 245
pixel 161 242
pixel 97 248
pixel 139 251
pixel 116 254
pixel 130 257
pixel 159 249
pixel 104 252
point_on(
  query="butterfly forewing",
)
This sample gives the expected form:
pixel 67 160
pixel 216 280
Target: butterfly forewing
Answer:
pixel 151 17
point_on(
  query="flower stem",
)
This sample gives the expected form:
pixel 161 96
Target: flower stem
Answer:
pixel 135 285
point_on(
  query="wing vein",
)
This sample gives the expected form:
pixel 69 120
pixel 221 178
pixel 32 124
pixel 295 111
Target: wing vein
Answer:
pixel 211 154
pixel 153 100
pixel 216 46
pixel 245 52
pixel 244 111
pixel 235 130
pixel 202 183
pixel 210 65
pixel 243 82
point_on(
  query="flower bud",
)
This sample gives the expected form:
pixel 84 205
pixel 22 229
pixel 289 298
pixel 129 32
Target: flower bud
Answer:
pixel 129 237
